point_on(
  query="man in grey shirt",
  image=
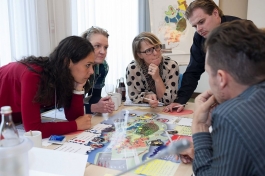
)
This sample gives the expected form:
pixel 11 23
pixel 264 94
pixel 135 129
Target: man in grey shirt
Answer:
pixel 234 107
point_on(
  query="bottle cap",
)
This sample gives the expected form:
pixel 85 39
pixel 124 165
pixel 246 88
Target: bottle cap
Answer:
pixel 6 110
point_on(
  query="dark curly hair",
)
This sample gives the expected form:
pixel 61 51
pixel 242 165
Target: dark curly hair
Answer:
pixel 238 48
pixel 56 75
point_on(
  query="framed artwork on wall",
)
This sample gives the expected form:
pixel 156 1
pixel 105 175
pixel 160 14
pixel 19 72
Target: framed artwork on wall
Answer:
pixel 169 24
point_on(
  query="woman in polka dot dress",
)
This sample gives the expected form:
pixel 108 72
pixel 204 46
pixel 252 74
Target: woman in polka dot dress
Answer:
pixel 151 77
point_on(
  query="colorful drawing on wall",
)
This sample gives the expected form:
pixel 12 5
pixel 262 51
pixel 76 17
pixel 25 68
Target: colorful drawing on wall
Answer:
pixel 169 24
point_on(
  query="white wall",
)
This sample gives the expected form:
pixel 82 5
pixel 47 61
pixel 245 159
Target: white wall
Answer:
pixel 256 12
pixel 183 61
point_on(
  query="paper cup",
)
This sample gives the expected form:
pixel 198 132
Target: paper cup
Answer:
pixel 35 137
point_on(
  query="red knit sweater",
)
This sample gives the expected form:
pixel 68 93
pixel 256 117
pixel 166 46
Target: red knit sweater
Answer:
pixel 18 87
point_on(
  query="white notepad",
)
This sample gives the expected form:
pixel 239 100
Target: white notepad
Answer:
pixel 56 162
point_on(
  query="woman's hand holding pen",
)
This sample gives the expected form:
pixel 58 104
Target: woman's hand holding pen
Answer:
pixel 151 99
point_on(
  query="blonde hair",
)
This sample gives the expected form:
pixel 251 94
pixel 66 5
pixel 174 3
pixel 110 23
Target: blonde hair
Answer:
pixel 136 44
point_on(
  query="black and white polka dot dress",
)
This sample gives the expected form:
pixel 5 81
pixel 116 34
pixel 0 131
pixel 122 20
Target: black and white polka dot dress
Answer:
pixel 138 86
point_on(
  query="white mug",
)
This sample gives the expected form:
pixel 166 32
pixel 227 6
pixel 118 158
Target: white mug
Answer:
pixel 118 95
pixel 35 137
pixel 115 101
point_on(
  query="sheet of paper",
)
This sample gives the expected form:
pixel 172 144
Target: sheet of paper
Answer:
pixel 158 168
pixel 185 122
pixel 74 148
pixel 56 162
pixel 84 138
pixel 57 114
pixel 183 130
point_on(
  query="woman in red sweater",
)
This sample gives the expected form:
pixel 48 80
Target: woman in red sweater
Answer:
pixel 58 80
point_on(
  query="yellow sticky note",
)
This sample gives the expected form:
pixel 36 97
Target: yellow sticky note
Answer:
pixel 157 168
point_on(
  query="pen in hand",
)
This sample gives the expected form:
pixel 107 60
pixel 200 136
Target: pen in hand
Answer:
pixel 151 100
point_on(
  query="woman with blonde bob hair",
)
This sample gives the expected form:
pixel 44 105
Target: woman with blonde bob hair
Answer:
pixel 151 77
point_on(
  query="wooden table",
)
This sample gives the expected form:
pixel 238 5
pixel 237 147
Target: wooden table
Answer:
pixel 93 170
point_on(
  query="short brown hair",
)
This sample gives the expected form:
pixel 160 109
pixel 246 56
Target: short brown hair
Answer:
pixel 206 5
pixel 94 30
pixel 238 48
pixel 136 44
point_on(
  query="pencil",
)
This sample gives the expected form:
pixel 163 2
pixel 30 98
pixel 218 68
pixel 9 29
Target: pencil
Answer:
pixel 168 136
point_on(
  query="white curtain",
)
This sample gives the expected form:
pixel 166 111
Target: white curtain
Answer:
pixel 36 27
pixel 120 19
pixel 21 30
pixel 32 27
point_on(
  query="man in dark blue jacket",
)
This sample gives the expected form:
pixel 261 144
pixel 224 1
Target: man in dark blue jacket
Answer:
pixel 204 16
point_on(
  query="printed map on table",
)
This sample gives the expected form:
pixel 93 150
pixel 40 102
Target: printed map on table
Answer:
pixel 133 137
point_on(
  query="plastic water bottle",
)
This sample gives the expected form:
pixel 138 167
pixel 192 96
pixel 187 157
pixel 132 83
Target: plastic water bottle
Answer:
pixel 8 132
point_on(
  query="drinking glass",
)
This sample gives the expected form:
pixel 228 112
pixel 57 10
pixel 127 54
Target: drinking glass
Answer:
pixel 109 88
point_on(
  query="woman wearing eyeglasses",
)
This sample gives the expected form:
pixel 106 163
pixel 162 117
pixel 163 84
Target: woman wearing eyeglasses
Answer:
pixel 151 77
pixel 98 37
